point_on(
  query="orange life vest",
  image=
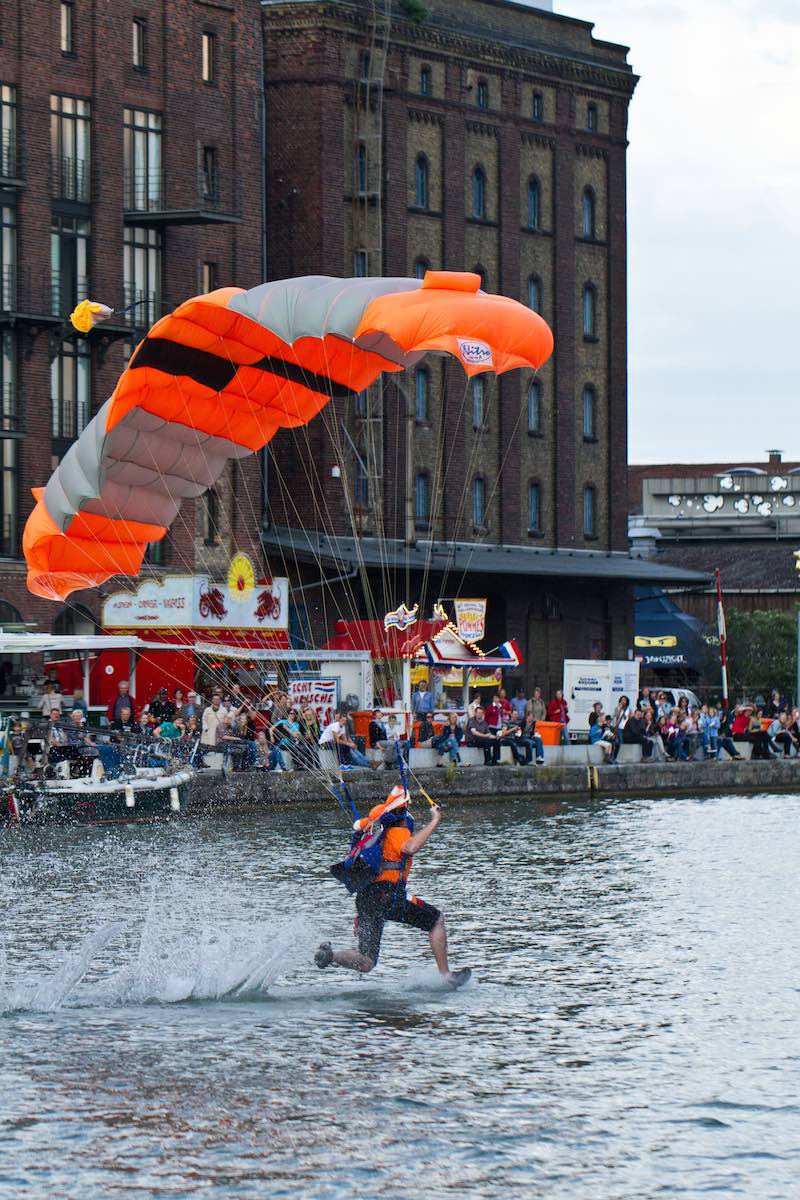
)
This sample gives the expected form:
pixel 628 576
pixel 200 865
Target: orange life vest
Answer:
pixel 395 865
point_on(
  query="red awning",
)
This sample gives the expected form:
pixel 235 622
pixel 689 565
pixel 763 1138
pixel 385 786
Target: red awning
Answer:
pixel 382 643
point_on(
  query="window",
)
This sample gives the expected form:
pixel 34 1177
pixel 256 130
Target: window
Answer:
pixel 479 193
pixel 424 81
pixel 589 312
pixel 142 274
pixel 589 512
pixel 360 263
pixel 211 518
pixel 360 484
pixel 69 148
pixel 157 553
pixel 535 293
pixel 587 213
pixel 422 500
pixel 9 615
pixel 591 118
pixel 535 407
pixel 69 263
pixel 478 502
pixel 209 277
pixel 209 173
pixel 478 402
pixel 589 414
pixel 421 265
pixel 209 53
pixel 8 131
pixel 361 169
pixel 422 391
pixel 142 160
pixel 10 422
pixel 421 199
pixel 534 508
pixel 138 46
pixel 482 94
pixel 537 106
pixel 360 403
pixel 534 206
pixel 364 63
pixel 69 390
pixel 66 30
pixel 75 621
pixel 8 258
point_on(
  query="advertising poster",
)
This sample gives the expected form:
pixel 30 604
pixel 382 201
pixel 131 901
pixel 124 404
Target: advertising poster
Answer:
pixel 470 619
pixel 321 694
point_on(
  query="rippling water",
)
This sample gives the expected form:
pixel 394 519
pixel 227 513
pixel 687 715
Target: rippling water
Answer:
pixel 631 1030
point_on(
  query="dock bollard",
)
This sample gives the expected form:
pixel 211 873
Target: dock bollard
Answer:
pixel 129 800
pixel 174 800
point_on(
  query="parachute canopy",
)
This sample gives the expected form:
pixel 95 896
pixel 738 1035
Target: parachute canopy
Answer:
pixel 217 378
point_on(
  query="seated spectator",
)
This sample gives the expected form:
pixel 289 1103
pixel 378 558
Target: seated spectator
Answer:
pixel 288 735
pixel 449 740
pixel 426 732
pixel 757 736
pixel 510 734
pixel 779 737
pixel 161 707
pixel 397 741
pixel 480 735
pixel 634 733
pixel 124 723
pixel 601 734
pixel 532 740
pixel 664 708
pixel 348 753
pixel 268 757
pixel 377 740
pixel 726 741
pixel 708 726
pixel 668 732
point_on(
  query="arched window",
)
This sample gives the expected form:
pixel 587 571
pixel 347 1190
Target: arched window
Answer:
pixel 361 168
pixel 534 205
pixel 535 407
pixel 482 94
pixel 478 402
pixel 424 81
pixel 74 621
pixel 589 413
pixel 422 391
pixel 478 502
pixel 479 193
pixel 421 265
pixel 589 512
pixel 589 311
pixel 364 64
pixel 360 484
pixel 591 118
pixel 535 293
pixel 9 615
pixel 211 518
pixel 587 213
pixel 421 182
pixel 537 106
pixel 360 263
pixel 422 499
pixel 534 508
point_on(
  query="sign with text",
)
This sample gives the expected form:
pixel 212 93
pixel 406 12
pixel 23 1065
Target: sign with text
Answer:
pixel 470 619
pixel 195 602
pixel 321 694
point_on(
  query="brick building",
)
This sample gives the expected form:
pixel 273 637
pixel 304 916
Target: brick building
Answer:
pixel 489 137
pixel 130 169
pixel 743 518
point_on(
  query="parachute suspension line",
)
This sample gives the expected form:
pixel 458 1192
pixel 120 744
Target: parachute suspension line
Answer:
pixel 438 487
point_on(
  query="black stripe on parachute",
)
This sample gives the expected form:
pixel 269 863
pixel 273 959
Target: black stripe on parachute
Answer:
pixel 211 371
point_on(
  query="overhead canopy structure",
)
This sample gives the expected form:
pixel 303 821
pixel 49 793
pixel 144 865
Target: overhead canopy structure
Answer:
pixel 446 649
pixel 383 644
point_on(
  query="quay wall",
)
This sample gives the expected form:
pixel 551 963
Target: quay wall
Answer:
pixel 211 793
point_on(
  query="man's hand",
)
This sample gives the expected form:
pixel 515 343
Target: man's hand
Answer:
pixel 436 815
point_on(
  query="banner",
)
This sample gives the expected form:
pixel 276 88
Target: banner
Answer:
pixel 321 694
pixel 195 602
pixel 470 619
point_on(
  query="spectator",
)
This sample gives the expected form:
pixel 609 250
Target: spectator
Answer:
pixel 426 732
pixel 493 716
pixel 519 705
pixel 169 730
pixel 645 700
pixel 51 700
pixel 480 735
pixel 161 707
pixel 422 700
pixel 78 702
pixel 122 700
pixel 664 708
pixel 287 733
pixel 538 708
pixel 708 725
pixel 521 750
pixel 780 739
pixel 777 704
pixel 348 753
pixel 449 740
pixel 597 735
pixel 213 717
pixel 397 741
pixel 726 741
pixel 188 707
pixel 557 711
pixel 310 726
pixel 503 703
pixel 474 704
pixel 758 736
pixel 620 719
pixel 124 723
pixel 533 739
pixel 377 740
pixel 268 757
pixel 634 733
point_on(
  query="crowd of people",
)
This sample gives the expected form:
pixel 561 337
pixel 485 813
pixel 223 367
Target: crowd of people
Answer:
pixel 272 733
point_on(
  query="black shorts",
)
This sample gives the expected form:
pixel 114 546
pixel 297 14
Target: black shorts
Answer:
pixel 381 902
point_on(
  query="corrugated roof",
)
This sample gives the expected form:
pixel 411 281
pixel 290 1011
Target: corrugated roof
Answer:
pixel 476 559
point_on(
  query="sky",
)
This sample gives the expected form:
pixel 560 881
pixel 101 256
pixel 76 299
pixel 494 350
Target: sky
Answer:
pixel 713 224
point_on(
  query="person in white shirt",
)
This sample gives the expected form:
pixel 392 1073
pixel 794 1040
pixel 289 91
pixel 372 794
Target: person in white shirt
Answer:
pixel 50 701
pixel 213 716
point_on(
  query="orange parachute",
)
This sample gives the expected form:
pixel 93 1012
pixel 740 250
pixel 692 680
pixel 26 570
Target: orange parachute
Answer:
pixel 221 375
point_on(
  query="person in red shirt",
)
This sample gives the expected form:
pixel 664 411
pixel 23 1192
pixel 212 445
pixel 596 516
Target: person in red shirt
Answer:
pixel 557 711
pixel 504 704
pixel 493 715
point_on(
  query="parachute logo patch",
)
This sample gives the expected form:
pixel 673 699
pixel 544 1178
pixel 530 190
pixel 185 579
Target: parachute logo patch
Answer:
pixel 475 354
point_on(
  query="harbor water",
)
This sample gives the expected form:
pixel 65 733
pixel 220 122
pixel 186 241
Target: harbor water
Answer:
pixel 630 1030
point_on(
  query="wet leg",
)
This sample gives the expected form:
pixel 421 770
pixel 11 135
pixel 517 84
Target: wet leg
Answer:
pixel 438 939
pixel 354 960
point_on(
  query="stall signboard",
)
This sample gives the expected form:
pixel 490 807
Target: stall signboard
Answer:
pixel 470 619
pixel 321 694
pixel 196 602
